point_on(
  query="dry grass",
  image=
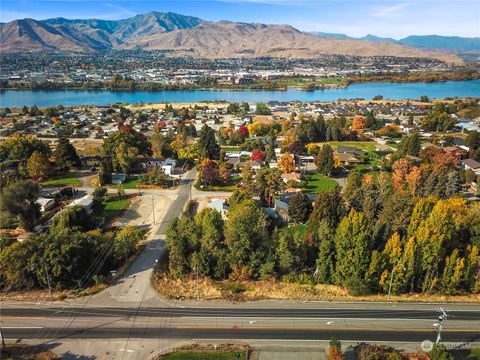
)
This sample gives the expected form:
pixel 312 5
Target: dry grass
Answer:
pixel 27 352
pixel 272 289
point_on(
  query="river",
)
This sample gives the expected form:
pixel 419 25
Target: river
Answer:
pixel 392 91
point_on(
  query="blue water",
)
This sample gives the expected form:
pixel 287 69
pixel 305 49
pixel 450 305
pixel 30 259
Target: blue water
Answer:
pixel 392 91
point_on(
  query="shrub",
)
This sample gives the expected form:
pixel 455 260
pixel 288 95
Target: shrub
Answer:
pixel 357 287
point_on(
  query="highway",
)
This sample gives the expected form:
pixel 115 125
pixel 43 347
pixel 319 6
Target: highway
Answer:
pixel 242 312
pixel 239 322
pixel 205 333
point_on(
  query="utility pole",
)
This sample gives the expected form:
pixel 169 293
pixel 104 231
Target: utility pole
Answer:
pixel 196 271
pixel 124 244
pixel 48 278
pixel 153 210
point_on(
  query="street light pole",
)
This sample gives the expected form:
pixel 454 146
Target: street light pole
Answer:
pixel 391 281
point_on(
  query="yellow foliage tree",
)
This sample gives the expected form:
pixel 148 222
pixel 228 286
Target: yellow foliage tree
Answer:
pixel 286 163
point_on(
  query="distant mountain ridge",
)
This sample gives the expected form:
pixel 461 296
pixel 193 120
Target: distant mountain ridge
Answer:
pixel 181 35
pixel 433 42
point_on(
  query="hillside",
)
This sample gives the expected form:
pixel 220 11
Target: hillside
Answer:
pixel 186 35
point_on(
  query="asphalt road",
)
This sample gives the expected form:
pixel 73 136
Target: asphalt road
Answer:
pixel 176 207
pixel 204 333
pixel 241 312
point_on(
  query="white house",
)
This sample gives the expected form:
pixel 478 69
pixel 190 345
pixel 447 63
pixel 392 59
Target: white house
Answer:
pixel 470 164
pixel 85 202
pixel 45 203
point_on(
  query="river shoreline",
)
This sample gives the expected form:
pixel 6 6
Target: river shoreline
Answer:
pixel 365 91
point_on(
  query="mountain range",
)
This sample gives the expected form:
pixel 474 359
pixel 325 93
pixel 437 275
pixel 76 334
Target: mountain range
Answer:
pixel 455 44
pixel 180 35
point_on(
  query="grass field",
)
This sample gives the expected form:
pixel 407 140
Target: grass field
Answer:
pixel 66 179
pixel 361 145
pixel 185 355
pixel 317 183
pixel 229 187
pixel 114 207
pixel 131 183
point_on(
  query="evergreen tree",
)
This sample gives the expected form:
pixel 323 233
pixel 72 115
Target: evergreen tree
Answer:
pixel 299 208
pixel 65 154
pixel 207 144
pixel 352 247
pixel 324 160
pixel 326 254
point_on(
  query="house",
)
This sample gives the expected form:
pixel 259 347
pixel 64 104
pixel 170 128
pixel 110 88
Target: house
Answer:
pixel 90 160
pixel 221 206
pixel 457 152
pixel 470 164
pixel 347 159
pixel 350 150
pixel 86 202
pixel 45 203
pixel 256 165
pixel 282 209
pixel 286 177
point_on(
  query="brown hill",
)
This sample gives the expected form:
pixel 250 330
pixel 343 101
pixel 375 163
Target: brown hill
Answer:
pixel 185 35
pixel 228 39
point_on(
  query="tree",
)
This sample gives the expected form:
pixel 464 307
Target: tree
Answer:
pixel 299 208
pixel 19 200
pixel 21 147
pixel 410 145
pixel 65 154
pixel 262 109
pixel 38 166
pixel 258 156
pixel 161 145
pixel 324 160
pixel 358 123
pixel 245 231
pixel 207 145
pixel 286 163
pixel 335 350
pixel 268 183
pixel 237 197
pixel 125 146
pixel 352 247
pixel 438 120
pixel 210 172
pixel 329 207
pixel 105 172
pixel 326 254
pixel 181 235
pixel 99 196
pixel 73 218
pixel 243 131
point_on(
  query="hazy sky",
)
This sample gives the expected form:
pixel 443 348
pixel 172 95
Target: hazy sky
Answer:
pixel 356 18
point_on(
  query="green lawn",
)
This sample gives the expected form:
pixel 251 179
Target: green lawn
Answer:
pixel 231 186
pixel 66 179
pixel 131 183
pixel 361 145
pixel 114 207
pixel 184 355
pixel 231 148
pixel 317 183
